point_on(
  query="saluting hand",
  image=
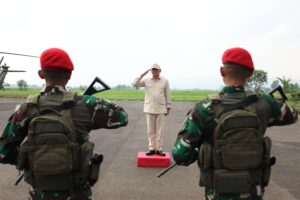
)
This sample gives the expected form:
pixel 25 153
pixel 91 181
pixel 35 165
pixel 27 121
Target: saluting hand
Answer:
pixel 146 72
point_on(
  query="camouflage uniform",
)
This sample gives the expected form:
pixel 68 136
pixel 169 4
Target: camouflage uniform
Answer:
pixel 89 113
pixel 192 134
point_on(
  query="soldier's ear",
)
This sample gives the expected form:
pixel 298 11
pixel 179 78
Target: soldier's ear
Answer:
pixel 68 75
pixel 222 71
pixel 41 74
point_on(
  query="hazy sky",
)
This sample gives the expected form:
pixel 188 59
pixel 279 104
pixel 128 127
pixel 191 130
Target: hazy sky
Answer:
pixel 118 40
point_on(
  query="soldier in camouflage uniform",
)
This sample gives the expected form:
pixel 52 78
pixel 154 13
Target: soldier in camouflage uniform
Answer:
pixel 87 113
pixel 237 174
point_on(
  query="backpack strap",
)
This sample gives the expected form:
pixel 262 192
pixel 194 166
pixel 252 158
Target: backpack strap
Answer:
pixel 213 122
pixel 68 101
pixel 32 101
pixel 246 102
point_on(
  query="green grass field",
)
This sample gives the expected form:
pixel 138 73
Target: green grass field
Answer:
pixel 177 95
pixel 132 95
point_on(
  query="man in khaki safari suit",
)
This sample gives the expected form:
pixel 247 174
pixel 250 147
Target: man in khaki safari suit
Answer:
pixel 157 105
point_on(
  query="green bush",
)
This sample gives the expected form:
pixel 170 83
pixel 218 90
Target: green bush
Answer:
pixel 295 95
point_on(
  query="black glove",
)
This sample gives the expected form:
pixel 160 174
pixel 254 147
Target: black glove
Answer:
pixel 9 159
pixel 184 161
pixel 291 115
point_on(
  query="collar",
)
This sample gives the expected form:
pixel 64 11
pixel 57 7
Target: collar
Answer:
pixel 233 89
pixel 53 89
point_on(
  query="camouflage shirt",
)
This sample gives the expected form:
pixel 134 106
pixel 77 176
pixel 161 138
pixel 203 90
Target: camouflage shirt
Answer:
pixel 94 114
pixel 191 134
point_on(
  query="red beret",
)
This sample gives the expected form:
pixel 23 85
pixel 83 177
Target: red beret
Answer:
pixel 56 59
pixel 238 56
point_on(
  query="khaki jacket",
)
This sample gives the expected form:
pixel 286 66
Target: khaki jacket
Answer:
pixel 157 94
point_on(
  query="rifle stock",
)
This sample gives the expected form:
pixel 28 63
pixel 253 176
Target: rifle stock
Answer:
pixel 93 90
pixel 281 92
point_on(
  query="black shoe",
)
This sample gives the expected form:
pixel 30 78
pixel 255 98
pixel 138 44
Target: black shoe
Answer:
pixel 150 152
pixel 160 153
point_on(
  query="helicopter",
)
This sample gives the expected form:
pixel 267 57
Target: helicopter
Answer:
pixel 4 69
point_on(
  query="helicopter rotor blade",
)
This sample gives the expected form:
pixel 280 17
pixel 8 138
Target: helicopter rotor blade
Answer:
pixel 18 54
pixel 1 60
pixel 16 71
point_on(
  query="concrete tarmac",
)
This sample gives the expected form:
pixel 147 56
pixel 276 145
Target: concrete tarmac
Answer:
pixel 120 178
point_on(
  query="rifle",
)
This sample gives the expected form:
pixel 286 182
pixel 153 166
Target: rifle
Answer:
pixel 281 92
pixel 93 89
pixel 166 170
pixel 19 179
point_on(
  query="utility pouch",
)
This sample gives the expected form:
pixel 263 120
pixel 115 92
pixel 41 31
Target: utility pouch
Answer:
pixel 86 154
pixel 204 159
pixel 242 154
pixel 22 161
pixel 206 178
pixel 226 181
pixel 268 161
pixel 204 163
pixel 95 168
pixel 57 182
pixel 28 177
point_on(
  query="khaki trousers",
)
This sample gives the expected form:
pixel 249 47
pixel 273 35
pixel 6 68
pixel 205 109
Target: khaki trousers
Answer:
pixel 156 129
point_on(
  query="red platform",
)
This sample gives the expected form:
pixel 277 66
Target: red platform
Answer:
pixel 153 161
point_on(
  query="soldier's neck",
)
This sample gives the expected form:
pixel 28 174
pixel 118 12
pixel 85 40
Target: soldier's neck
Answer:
pixel 233 83
pixel 56 83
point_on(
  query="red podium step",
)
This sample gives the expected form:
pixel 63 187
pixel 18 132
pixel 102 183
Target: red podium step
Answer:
pixel 152 161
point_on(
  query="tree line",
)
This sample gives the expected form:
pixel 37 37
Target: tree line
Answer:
pixel 260 78
pixel 255 83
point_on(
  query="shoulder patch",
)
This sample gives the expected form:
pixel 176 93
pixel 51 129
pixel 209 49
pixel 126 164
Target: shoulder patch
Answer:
pixel 89 100
pixel 207 104
pixel 33 98
pixel 18 107
pixel 204 108
pixel 214 97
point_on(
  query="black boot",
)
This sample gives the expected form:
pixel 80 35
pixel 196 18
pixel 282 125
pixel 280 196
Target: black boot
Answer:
pixel 150 152
pixel 160 153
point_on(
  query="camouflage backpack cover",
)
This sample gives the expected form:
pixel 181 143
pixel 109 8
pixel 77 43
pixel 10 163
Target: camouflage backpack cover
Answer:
pixel 236 156
pixel 51 156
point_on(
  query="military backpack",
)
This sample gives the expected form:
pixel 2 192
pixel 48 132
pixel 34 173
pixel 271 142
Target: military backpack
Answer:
pixel 51 157
pixel 235 158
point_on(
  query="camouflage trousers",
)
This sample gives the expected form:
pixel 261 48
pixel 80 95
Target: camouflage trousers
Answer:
pixel 78 193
